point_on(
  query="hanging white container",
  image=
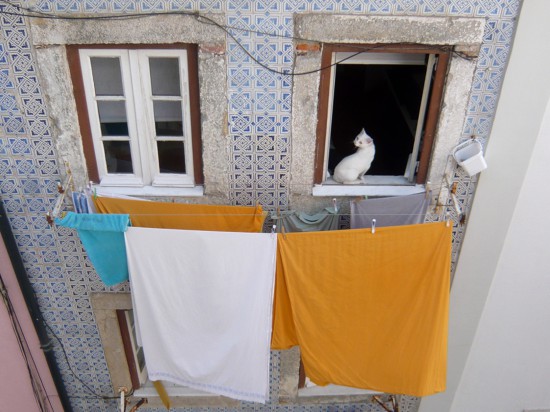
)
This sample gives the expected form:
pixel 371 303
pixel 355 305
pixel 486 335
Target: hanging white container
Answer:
pixel 469 155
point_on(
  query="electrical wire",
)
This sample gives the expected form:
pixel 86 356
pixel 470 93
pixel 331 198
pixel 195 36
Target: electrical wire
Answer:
pixel 25 350
pixel 30 13
pixel 92 391
pixel 38 386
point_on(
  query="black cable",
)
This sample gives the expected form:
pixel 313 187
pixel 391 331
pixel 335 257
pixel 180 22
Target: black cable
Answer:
pixel 25 350
pixel 93 392
pixel 205 20
pixel 11 311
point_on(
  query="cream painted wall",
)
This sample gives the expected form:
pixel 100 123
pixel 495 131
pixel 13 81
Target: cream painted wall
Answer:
pixel 499 339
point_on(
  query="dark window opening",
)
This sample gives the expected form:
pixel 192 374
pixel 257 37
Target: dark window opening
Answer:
pixel 385 101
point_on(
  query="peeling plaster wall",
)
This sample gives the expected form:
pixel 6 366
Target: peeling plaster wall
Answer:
pixel 468 33
pixel 50 38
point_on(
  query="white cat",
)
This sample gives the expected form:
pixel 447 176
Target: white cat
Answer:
pixel 351 168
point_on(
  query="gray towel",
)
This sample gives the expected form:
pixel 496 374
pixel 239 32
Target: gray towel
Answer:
pixel 389 211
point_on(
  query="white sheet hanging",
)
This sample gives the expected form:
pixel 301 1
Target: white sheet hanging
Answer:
pixel 203 302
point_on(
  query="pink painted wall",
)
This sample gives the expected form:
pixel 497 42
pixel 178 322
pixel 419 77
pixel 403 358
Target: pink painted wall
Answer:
pixel 16 392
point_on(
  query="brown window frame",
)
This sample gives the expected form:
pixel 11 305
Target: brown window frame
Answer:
pixel 133 368
pixel 84 119
pixel 433 110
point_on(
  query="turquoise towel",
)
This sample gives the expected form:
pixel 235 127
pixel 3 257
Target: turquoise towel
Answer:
pixel 103 239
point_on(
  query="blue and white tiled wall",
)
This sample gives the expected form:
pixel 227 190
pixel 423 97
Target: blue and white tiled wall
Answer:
pixel 259 117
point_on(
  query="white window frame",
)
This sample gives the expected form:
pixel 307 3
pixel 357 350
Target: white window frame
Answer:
pixel 139 110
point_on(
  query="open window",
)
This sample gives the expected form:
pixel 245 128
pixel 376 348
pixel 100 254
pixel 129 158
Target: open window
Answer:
pixel 393 92
pixel 139 114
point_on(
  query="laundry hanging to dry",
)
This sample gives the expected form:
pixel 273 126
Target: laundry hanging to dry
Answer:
pixel 389 211
pixel 368 310
pixel 103 239
pixel 169 215
pixel 203 306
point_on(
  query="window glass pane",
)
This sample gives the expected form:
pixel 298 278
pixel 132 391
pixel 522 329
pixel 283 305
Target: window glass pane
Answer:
pixel 112 117
pixel 107 76
pixel 171 157
pixel 168 118
pixel 165 76
pixel 118 156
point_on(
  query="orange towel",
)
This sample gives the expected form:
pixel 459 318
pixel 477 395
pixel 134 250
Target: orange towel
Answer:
pixel 185 216
pixel 368 310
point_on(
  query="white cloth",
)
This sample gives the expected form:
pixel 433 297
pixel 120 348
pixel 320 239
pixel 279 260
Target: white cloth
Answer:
pixel 203 302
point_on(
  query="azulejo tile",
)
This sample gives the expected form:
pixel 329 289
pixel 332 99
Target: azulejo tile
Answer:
pixel 47 167
pixel 39 127
pixel 240 124
pixel 240 78
pixel 266 181
pixel 461 7
pixel 243 162
pixel 151 5
pixel 30 186
pixel 6 167
pixel 242 180
pixel 25 167
pixel 34 107
pixel 45 240
pixel 13 124
pixel 3 54
pixel 17 39
pixel 434 7
pixel 5 80
pixel 243 197
pixel 9 187
pixel 12 205
pixel 7 102
pixel 211 5
pixel 265 162
pixel 27 86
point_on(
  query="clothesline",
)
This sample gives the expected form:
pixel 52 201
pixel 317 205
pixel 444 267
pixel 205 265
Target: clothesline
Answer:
pixel 252 214
pixel 195 252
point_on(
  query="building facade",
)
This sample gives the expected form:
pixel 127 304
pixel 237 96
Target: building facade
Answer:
pixel 258 91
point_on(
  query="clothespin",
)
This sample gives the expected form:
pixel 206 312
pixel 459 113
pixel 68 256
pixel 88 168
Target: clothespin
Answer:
pixel 273 229
pixel 373 226
pixel 335 205
pixel 49 218
pixel 448 219
pixel 60 188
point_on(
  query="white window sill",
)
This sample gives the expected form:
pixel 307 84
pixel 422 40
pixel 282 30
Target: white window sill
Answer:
pixel 371 186
pixel 149 191
pixel 147 390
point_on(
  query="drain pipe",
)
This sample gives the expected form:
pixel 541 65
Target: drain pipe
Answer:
pixel 32 305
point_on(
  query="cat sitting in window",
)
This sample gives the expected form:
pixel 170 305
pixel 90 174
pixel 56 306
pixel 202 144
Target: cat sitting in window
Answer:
pixel 351 168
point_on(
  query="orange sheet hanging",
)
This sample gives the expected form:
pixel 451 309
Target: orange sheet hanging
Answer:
pixel 368 310
pixel 185 216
